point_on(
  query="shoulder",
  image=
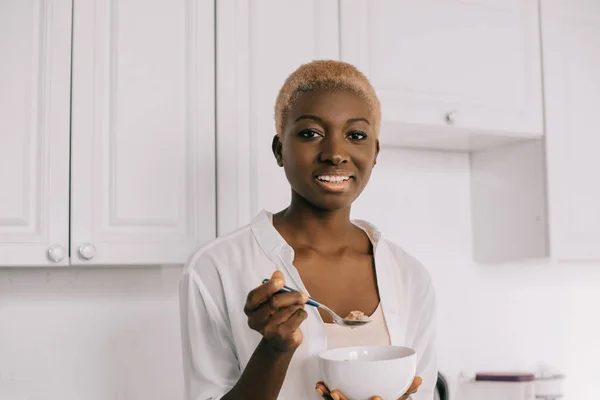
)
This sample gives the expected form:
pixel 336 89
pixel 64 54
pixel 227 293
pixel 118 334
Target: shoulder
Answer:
pixel 211 272
pixel 403 265
pixel 408 265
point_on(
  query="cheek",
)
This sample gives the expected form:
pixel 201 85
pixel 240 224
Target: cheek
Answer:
pixel 296 164
pixel 297 155
pixel 365 161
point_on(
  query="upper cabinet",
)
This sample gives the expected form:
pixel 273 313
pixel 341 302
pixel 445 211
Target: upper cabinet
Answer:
pixel 107 131
pixel 456 74
pixel 542 199
pixel 108 111
pixel 259 43
pixel 143 131
pixel 35 48
pixel 571 38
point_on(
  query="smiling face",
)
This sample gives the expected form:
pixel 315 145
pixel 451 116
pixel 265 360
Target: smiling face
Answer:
pixel 329 147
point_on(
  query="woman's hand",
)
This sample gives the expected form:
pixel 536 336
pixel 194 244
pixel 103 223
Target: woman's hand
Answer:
pixel 337 395
pixel 276 316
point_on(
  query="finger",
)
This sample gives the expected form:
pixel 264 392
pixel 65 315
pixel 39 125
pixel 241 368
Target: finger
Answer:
pixel 337 395
pixel 282 300
pixel 414 387
pixel 279 302
pixel 289 330
pixel 322 389
pixel 294 321
pixel 262 293
pixel 281 317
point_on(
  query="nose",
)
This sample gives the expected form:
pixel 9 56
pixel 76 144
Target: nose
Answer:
pixel 333 150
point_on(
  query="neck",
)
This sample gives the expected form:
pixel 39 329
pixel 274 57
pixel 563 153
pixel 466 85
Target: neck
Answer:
pixel 305 224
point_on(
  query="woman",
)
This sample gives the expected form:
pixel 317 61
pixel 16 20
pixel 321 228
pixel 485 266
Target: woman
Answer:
pixel 241 340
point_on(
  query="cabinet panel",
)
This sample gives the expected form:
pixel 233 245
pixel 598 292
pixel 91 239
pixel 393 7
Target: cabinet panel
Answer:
pixel 34 132
pixel 259 43
pixel 468 66
pixel 143 184
pixel 571 33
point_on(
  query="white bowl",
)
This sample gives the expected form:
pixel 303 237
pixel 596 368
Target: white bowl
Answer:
pixel 365 371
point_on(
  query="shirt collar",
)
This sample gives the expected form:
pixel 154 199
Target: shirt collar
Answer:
pixel 371 230
pixel 272 243
pixel 268 238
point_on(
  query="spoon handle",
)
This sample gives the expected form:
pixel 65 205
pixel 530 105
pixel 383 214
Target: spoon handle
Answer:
pixel 310 302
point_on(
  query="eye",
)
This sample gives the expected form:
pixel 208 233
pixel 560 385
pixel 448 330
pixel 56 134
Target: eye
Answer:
pixel 309 134
pixel 357 135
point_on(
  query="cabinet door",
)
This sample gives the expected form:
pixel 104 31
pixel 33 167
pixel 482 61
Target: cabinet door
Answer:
pixel 259 43
pixel 471 65
pixel 35 48
pixel 143 164
pixel 571 37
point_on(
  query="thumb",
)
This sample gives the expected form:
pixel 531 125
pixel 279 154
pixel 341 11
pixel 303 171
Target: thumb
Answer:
pixel 376 398
pixel 278 275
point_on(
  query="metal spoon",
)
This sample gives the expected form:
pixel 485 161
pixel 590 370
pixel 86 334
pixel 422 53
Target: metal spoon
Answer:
pixel 349 323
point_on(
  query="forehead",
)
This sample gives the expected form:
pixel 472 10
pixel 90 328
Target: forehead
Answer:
pixel 330 104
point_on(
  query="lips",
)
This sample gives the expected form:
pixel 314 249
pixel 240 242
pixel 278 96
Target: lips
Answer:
pixel 333 178
pixel 334 181
pixel 334 175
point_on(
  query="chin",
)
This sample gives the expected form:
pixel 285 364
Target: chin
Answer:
pixel 325 201
pixel 331 204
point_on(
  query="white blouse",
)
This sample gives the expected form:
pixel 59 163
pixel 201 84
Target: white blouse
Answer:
pixel 217 342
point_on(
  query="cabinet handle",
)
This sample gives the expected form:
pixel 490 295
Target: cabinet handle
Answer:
pixel 87 251
pixel 56 253
pixel 449 117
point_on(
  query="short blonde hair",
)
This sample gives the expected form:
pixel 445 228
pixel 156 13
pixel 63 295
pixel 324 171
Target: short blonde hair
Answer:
pixel 325 75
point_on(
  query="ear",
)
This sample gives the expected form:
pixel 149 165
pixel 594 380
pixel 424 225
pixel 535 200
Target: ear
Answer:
pixel 277 148
pixel 376 151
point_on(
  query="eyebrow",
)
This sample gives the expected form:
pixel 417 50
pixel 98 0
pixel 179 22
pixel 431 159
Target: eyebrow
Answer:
pixel 351 120
pixel 315 118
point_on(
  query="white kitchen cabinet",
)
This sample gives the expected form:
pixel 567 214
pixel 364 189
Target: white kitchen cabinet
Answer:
pixel 132 179
pixel 571 37
pixel 35 44
pixel 456 75
pixel 542 198
pixel 259 43
pixel 143 131
pixel 509 203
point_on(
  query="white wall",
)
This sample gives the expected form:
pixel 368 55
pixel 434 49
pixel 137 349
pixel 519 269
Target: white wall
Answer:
pixel 104 334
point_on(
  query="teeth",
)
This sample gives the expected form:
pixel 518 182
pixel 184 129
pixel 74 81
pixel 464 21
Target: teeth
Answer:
pixel 335 179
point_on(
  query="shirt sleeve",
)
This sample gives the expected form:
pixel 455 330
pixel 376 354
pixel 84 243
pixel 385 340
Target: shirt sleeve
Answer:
pixel 424 344
pixel 210 365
